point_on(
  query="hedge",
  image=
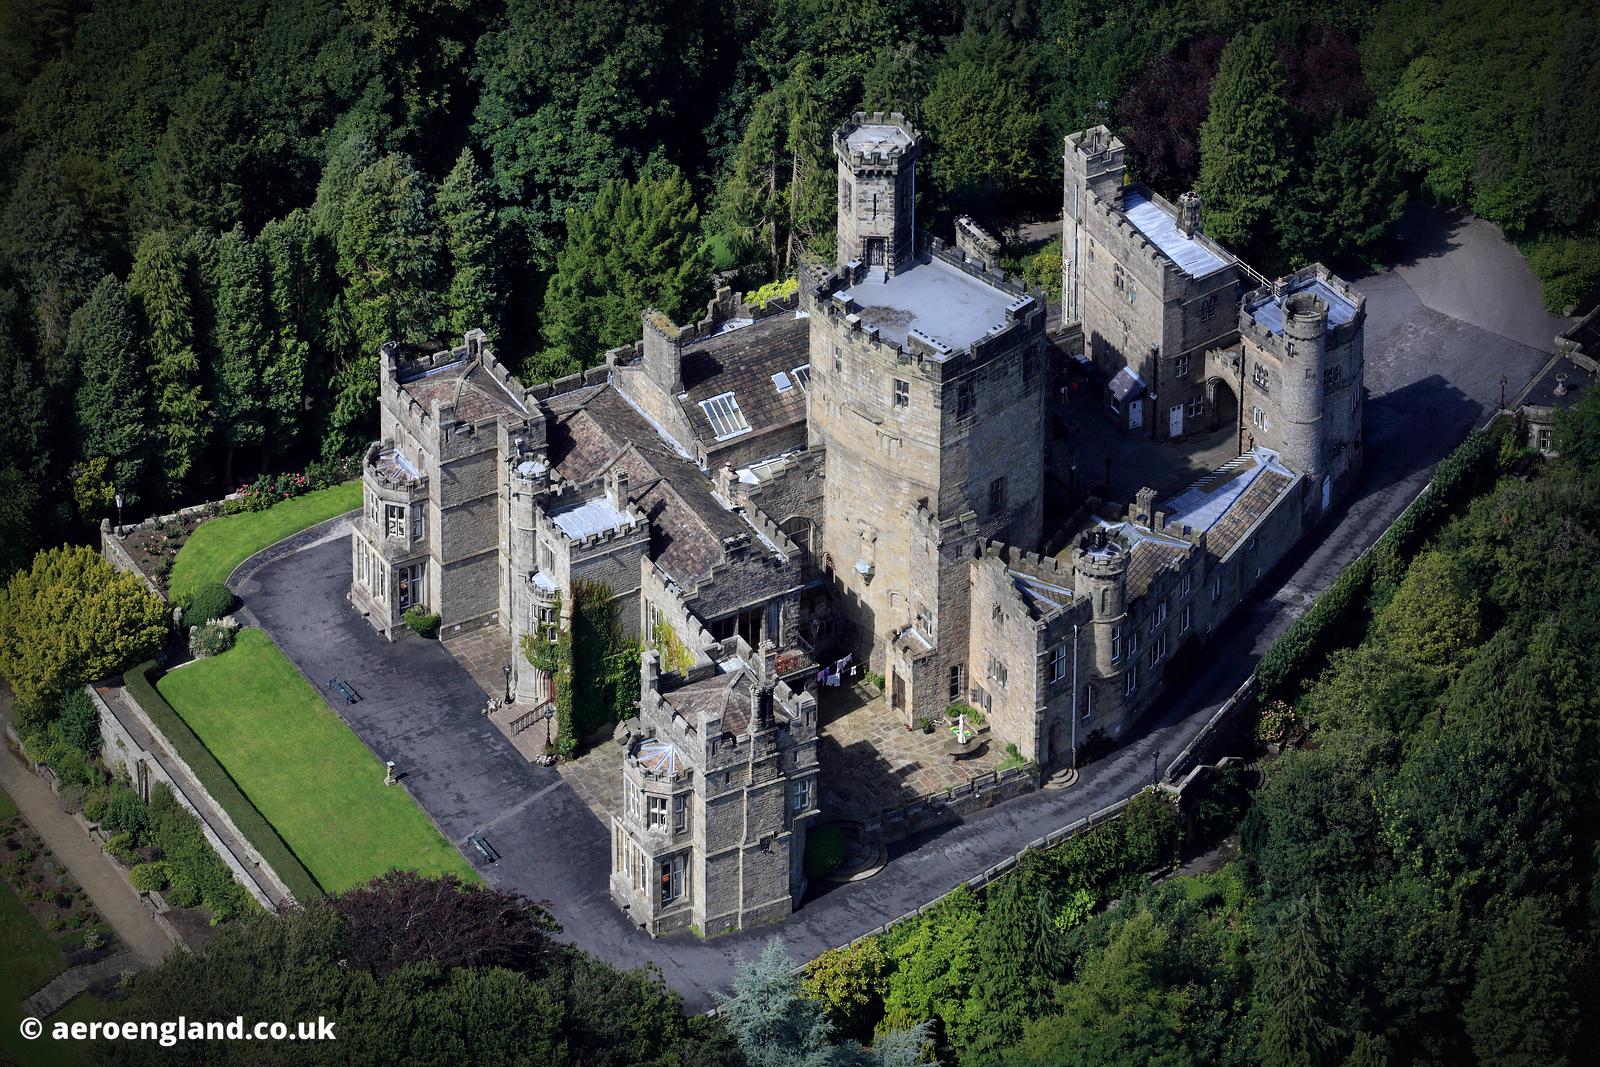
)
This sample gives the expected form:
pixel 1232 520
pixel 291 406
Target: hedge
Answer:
pixel 222 787
pixel 1337 619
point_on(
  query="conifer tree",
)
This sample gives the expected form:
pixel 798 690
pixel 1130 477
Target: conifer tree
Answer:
pixel 637 247
pixel 472 301
pixel 354 390
pixel 296 284
pixel 1295 990
pixel 1244 143
pixel 775 1023
pixel 111 402
pixel 389 254
pixel 160 290
pixel 779 199
pixel 1522 1011
pixel 242 341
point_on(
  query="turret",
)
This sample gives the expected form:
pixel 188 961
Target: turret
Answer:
pixel 877 214
pixel 1305 329
pixel 1100 572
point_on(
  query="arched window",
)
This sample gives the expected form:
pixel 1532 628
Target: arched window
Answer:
pixel 800 530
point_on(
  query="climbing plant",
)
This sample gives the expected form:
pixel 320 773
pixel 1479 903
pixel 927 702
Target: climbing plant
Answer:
pixel 594 667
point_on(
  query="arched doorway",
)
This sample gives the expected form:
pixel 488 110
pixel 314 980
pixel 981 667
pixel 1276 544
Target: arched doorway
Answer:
pixel 1223 402
pixel 1052 751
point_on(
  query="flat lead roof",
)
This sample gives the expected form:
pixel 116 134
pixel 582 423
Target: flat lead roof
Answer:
pixel 935 299
pixel 588 518
pixel 1161 230
pixel 1268 313
pixel 877 137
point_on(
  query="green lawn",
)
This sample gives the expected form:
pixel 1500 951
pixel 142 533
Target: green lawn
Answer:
pixel 220 545
pixel 8 807
pixel 303 769
pixel 28 959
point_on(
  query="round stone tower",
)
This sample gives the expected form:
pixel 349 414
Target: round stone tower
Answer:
pixel 1305 356
pixel 1100 572
pixel 877 156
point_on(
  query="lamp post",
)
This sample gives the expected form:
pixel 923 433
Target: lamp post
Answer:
pixel 1155 767
pixel 119 512
pixel 507 670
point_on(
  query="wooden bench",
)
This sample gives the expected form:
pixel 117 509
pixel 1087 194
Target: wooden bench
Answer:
pixel 344 689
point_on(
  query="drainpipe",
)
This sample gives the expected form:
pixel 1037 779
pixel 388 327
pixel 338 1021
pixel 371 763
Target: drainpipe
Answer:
pixel 1074 696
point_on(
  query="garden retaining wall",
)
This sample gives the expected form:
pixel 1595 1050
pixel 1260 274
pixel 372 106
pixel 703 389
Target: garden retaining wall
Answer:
pixel 123 750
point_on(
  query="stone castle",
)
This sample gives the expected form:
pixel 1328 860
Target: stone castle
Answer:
pixel 860 470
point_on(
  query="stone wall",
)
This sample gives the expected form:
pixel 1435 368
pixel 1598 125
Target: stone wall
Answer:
pixel 122 752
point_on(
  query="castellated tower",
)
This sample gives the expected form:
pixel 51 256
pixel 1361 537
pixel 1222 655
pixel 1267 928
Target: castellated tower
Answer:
pixel 1093 168
pixel 1100 572
pixel 1302 349
pixel 877 212
pixel 1305 330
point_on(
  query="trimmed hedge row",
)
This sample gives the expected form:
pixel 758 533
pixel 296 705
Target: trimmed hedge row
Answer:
pixel 222 787
pixel 1338 617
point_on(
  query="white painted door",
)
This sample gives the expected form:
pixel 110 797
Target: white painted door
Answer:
pixel 1135 414
pixel 1175 421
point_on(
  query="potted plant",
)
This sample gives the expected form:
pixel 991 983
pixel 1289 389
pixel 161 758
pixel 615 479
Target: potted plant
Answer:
pixel 926 723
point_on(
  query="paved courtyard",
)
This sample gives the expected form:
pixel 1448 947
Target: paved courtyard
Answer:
pixel 871 762
pixel 484 652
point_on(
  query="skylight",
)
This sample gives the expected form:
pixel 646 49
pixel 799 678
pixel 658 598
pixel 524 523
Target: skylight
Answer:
pixel 802 374
pixel 782 382
pixel 725 417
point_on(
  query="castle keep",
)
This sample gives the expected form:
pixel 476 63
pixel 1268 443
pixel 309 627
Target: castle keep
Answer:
pixel 860 470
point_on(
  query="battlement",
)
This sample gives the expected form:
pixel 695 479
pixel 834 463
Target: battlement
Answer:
pixel 834 298
pixel 1046 567
pixel 877 139
pixel 1310 301
pixel 589 521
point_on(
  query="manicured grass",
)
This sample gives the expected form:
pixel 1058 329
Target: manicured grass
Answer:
pixel 303 769
pixel 220 545
pixel 8 807
pixel 223 789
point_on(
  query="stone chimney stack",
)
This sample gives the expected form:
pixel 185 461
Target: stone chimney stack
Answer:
pixel 1144 507
pixel 1189 217
pixel 617 488
pixel 663 352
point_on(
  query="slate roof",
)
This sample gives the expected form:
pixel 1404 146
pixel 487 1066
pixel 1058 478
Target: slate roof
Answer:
pixel 1125 385
pixel 1145 561
pixel 688 525
pixel 724 696
pixel 742 361
pixel 1042 597
pixel 1253 503
pixel 475 392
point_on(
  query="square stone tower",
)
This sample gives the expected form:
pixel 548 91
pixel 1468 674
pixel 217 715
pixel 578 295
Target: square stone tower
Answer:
pixel 877 156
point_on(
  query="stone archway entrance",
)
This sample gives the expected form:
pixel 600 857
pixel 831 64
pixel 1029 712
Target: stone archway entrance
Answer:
pixel 1053 749
pixel 1223 403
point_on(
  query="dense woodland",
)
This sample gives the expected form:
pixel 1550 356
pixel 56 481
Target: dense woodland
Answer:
pixel 212 213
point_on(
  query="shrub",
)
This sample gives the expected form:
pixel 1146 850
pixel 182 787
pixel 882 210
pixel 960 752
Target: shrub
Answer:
pixel 422 622
pixel 125 813
pixel 960 708
pixel 148 877
pixel 121 845
pixel 71 618
pixel 212 639
pixel 71 795
pixel 1012 758
pixel 80 722
pixel 182 893
pixel 778 290
pixel 825 848
pixel 209 602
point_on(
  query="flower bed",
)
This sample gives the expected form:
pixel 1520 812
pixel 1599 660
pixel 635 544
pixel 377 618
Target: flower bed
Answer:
pixel 51 896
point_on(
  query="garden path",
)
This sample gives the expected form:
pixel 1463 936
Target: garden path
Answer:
pixel 82 855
